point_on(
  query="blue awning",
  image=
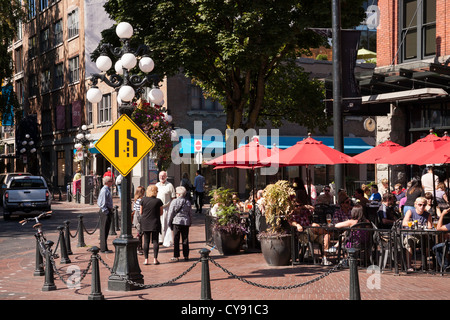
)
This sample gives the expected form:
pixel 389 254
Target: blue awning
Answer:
pixel 352 145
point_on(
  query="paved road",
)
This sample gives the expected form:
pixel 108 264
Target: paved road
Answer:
pixel 18 283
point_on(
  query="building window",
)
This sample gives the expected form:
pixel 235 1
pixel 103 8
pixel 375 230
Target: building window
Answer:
pixel 72 23
pixel 20 91
pixel 45 81
pixel 43 4
pixel 47 121
pixel 89 114
pixel 59 76
pixel 45 40
pixel 19 31
pixel 418 29
pixel 57 33
pixel 18 59
pixel 104 109
pixel 199 102
pixel 32 47
pixel 74 69
pixel 33 85
pixel 61 168
pixel 31 9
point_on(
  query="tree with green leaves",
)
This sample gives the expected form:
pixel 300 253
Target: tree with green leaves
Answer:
pixel 240 52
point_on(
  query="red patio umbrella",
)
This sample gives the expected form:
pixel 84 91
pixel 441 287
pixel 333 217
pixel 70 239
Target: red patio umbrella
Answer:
pixel 308 152
pixel 376 154
pixel 245 157
pixel 437 156
pixel 411 153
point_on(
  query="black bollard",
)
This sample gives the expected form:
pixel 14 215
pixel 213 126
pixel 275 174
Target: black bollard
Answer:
pixel 67 237
pixel 112 228
pixel 64 256
pixel 354 279
pixel 39 267
pixel 49 284
pixel 96 292
pixel 206 285
pixel 80 232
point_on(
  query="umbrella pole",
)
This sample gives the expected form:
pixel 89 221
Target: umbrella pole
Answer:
pixel 434 193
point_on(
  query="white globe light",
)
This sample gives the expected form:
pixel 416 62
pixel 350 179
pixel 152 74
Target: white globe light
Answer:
pixel 104 63
pixel 124 30
pixel 129 61
pixel 156 96
pixel 27 136
pixel 83 127
pixel 118 67
pixel 87 136
pixel 77 145
pixel 80 136
pixel 23 150
pixel 30 142
pixel 146 64
pixel 24 143
pixel 33 150
pixel 94 95
pixel 119 101
pixel 126 93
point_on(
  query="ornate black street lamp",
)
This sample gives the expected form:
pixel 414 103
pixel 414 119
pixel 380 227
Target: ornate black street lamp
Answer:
pixel 82 140
pixel 126 266
pixel 26 149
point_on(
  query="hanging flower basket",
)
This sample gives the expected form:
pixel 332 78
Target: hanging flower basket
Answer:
pixel 153 123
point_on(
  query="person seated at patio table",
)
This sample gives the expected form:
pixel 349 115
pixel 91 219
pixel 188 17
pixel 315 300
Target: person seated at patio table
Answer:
pixel 360 198
pixel 343 211
pixel 384 186
pixel 375 196
pixel 434 210
pixel 325 197
pixel 237 202
pixel 356 216
pixel 301 218
pixel 439 248
pixel 386 213
pixel 399 192
pixel 413 192
pixel 441 194
pixel 423 218
pixel 366 190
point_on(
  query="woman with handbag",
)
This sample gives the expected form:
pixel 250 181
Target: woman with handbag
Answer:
pixel 180 217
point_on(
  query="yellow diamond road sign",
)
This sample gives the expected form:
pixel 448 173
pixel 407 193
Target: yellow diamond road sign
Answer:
pixel 124 144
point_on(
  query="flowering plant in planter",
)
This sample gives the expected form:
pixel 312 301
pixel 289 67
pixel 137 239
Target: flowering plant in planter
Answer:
pixel 228 220
pixel 152 122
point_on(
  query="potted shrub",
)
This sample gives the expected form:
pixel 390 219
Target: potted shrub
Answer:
pixel 227 230
pixel 276 240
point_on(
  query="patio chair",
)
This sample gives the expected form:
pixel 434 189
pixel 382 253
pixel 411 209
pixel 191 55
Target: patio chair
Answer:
pixel 361 240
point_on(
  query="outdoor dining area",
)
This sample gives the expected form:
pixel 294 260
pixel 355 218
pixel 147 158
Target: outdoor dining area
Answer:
pixel 306 230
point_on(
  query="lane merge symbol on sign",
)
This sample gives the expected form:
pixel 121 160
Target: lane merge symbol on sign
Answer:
pixel 124 144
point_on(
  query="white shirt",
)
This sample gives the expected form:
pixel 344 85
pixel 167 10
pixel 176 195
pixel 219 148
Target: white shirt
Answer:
pixel 427 182
pixel 166 192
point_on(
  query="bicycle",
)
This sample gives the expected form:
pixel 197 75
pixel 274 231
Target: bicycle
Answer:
pixel 38 227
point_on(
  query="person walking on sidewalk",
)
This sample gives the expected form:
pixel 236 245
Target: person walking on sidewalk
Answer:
pixel 151 211
pixel 105 202
pixel 199 189
pixel 179 222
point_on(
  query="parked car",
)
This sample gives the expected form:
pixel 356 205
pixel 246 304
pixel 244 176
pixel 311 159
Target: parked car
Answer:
pixel 26 193
pixel 4 179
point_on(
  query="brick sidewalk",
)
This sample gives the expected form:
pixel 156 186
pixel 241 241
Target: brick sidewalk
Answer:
pixel 18 283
